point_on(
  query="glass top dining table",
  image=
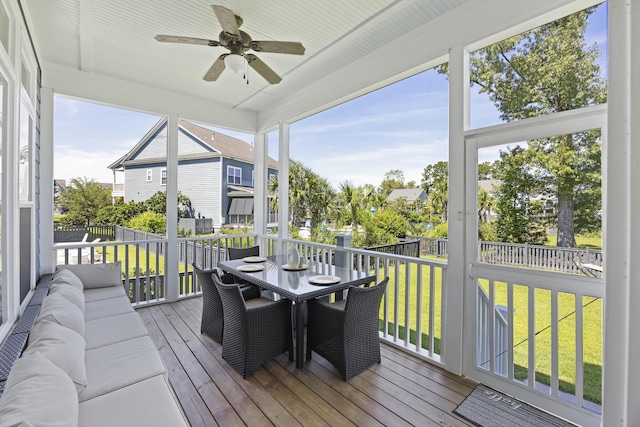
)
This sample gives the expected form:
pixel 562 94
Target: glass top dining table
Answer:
pixel 296 284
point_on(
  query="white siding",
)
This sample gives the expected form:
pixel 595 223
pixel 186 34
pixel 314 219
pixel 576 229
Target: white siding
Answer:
pixel 200 181
pixel 137 188
pixel 157 146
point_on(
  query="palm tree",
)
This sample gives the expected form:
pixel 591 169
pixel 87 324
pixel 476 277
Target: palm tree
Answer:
pixel 485 203
pixel 354 199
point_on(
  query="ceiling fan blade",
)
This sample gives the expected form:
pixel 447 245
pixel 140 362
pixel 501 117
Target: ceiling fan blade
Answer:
pixel 216 69
pixel 292 48
pixel 227 20
pixel 263 69
pixel 186 40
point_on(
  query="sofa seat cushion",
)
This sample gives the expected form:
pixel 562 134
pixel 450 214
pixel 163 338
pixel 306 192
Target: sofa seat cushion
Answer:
pixel 108 307
pixel 118 365
pixel 96 275
pixel 38 393
pixel 98 294
pixel 113 329
pixel 147 403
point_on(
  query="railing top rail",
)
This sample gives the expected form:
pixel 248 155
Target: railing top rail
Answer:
pixel 71 245
pixel 527 245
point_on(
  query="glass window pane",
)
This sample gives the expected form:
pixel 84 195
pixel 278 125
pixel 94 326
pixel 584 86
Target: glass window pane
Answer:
pixel 556 67
pixel 24 181
pixel 540 204
pixel 26 79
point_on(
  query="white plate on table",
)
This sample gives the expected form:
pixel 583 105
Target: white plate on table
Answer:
pixel 251 268
pixel 295 267
pixel 324 280
pixel 254 259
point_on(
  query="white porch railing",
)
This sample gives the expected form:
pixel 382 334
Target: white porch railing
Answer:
pixel 414 305
pixel 541 333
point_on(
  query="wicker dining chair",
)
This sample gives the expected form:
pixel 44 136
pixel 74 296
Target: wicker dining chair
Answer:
pixel 255 331
pixel 238 253
pixel 212 315
pixel 346 332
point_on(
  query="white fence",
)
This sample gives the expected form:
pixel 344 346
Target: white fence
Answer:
pixel 551 258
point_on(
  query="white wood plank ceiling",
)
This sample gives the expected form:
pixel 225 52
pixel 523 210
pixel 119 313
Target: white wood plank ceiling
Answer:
pixel 104 41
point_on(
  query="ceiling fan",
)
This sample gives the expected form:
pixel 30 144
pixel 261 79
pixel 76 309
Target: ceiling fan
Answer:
pixel 238 42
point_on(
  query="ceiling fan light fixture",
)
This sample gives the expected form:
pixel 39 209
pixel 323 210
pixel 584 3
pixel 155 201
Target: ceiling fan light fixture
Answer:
pixel 234 62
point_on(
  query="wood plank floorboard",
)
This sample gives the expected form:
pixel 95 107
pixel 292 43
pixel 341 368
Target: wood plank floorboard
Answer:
pixel 402 390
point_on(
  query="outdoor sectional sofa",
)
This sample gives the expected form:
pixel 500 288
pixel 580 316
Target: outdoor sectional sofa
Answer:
pixel 88 361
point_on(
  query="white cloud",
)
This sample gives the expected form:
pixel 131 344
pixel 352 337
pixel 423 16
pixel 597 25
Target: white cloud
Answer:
pixel 73 163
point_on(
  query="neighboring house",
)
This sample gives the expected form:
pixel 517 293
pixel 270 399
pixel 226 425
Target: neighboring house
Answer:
pixel 214 170
pixel 411 195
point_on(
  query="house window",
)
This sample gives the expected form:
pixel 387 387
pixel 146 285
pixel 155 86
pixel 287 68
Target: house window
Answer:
pixel 234 175
pixel 149 175
pixel 163 177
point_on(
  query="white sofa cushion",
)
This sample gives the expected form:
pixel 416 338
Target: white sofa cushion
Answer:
pixel 98 294
pixel 147 403
pixel 70 293
pixel 38 393
pixel 113 329
pixel 97 275
pixel 64 347
pixel 57 308
pixel 118 365
pixel 65 277
pixel 107 308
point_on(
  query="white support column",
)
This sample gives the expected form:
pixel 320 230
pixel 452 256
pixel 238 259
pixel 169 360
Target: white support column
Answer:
pixel 457 262
pixel 260 206
pixel 47 256
pixel 621 157
pixel 171 260
pixel 283 185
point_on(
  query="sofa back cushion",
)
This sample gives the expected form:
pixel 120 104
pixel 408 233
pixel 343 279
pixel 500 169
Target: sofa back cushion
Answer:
pixel 96 275
pixel 71 294
pixel 65 277
pixel 38 393
pixel 56 308
pixel 63 347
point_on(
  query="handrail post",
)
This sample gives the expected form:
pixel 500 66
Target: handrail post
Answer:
pixel 343 241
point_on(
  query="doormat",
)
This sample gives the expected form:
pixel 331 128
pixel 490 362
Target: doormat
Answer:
pixel 486 407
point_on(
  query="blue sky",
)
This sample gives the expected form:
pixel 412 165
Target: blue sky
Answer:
pixel 402 126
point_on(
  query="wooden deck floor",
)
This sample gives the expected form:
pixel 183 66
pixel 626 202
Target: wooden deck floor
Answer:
pixel 400 391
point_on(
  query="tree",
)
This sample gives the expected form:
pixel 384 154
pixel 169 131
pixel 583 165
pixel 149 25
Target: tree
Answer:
pixel 149 221
pixel 485 203
pixel 547 70
pixel 518 215
pixel 309 195
pixel 485 170
pixel 435 182
pixel 393 180
pixel 434 175
pixel 118 214
pixel 81 201
pixel 158 204
pixel 384 228
pixel 354 200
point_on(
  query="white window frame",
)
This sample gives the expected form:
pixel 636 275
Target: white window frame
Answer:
pixel 149 175
pixel 239 176
pixel 163 176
